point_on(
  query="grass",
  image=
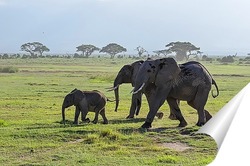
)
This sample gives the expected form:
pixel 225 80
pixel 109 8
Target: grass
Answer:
pixel 8 69
pixel 31 132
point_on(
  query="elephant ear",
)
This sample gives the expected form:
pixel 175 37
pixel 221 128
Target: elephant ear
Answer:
pixel 128 70
pixel 77 97
pixel 168 69
pixel 73 90
pixel 134 70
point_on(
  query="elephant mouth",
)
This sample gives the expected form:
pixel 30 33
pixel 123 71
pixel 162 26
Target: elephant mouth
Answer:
pixel 134 91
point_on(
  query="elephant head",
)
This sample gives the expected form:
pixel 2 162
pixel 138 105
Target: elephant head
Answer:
pixel 127 74
pixel 73 98
pixel 161 72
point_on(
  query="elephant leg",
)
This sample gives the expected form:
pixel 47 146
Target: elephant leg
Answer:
pixel 208 115
pixel 97 110
pixel 174 107
pixel 138 105
pixel 83 117
pixel 199 103
pixel 155 102
pixel 135 105
pixel 84 112
pixel 102 113
pixel 96 117
pixel 77 113
pixel 172 115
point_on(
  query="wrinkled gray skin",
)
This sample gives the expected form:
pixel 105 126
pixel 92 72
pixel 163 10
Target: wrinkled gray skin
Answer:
pixel 190 82
pixel 85 101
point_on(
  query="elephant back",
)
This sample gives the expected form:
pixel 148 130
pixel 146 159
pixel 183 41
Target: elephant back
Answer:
pixel 94 97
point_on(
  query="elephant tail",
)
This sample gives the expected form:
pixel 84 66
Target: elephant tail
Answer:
pixel 213 81
pixel 217 89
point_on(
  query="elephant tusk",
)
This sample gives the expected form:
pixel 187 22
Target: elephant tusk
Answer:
pixel 112 88
pixel 139 89
pixel 132 90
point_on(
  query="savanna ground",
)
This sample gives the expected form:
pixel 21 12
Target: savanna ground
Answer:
pixel 31 132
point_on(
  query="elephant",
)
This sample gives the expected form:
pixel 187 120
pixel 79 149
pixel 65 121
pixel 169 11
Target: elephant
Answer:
pixel 189 82
pixel 85 101
pixel 127 74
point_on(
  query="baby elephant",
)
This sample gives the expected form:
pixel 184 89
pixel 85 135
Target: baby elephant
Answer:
pixel 85 101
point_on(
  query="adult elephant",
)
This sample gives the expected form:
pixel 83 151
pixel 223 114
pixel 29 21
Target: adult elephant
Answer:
pixel 190 82
pixel 127 74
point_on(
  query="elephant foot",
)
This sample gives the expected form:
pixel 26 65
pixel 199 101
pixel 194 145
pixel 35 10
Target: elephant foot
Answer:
pixel 159 115
pixel 208 115
pixel 172 117
pixel 147 125
pixel 182 124
pixel 75 122
pixel 200 123
pixel 105 122
pixel 94 121
pixel 130 117
pixel 87 120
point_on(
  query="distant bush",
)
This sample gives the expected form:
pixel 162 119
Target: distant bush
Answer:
pixel 228 59
pixel 247 58
pixel 8 69
pixel 206 58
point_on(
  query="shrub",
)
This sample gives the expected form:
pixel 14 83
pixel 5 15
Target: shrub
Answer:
pixel 110 134
pixel 206 58
pixel 168 159
pixel 2 123
pixel 228 59
pixel 8 69
pixel 92 138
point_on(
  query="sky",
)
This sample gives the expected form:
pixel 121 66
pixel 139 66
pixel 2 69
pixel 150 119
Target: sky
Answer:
pixel 216 26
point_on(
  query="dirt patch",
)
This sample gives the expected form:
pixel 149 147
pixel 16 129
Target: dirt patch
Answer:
pixel 177 146
pixel 76 141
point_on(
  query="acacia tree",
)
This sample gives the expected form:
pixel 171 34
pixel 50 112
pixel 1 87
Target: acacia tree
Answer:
pixel 112 49
pixel 183 50
pixel 164 52
pixel 140 50
pixel 87 49
pixel 33 48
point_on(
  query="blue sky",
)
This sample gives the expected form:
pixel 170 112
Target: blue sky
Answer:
pixel 216 26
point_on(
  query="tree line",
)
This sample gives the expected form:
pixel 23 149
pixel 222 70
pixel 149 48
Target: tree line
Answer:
pixel 181 51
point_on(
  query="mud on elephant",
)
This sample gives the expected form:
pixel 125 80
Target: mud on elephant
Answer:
pixel 85 101
pixel 190 82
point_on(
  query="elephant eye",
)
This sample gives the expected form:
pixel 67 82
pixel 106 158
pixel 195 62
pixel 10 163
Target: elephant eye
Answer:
pixel 148 71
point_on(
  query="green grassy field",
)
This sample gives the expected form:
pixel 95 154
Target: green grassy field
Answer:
pixel 30 116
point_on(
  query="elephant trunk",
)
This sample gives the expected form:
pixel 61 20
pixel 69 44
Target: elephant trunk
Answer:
pixel 63 115
pixel 116 98
pixel 117 83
